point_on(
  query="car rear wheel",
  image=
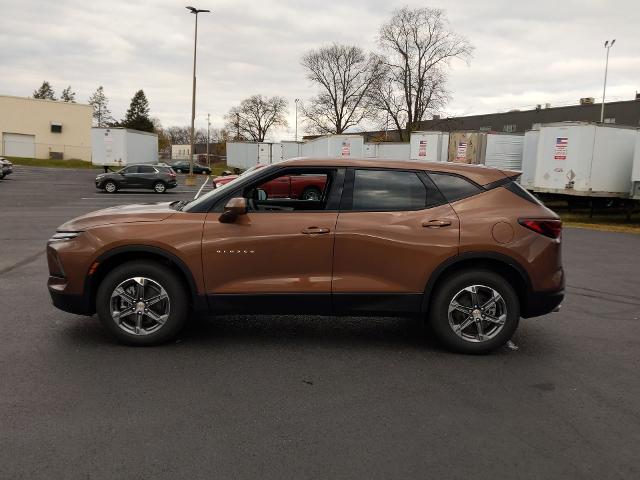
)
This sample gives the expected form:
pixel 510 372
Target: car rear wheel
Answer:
pixel 159 187
pixel 110 187
pixel 475 311
pixel 142 303
pixel 311 193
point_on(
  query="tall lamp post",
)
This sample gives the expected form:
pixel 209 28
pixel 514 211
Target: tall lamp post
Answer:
pixel 296 102
pixel 191 179
pixel 608 46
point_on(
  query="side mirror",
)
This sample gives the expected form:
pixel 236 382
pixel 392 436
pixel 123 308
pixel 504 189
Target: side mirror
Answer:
pixel 233 209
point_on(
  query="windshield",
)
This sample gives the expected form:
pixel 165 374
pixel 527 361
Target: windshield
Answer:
pixel 223 188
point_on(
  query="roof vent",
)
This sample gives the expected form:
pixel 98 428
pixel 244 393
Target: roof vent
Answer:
pixel 586 101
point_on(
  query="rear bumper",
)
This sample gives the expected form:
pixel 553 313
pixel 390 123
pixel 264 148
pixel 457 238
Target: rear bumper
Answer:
pixel 541 303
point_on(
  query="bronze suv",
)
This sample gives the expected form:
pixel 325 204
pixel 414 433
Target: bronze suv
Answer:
pixel 464 247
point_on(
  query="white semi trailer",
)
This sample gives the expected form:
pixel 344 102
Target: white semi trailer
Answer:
pixel 119 147
pixel 585 159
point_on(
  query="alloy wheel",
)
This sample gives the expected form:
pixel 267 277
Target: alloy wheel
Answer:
pixel 140 306
pixel 477 313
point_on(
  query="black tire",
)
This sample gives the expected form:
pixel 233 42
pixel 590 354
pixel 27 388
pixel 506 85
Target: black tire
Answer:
pixel 447 290
pixel 312 192
pixel 110 186
pixel 172 284
pixel 159 187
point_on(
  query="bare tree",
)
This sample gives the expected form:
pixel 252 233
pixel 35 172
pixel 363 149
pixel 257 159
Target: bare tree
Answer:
pixel 418 46
pixel 344 75
pixel 256 115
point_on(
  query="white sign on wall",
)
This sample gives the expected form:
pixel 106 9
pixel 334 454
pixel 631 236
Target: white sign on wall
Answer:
pixel 561 148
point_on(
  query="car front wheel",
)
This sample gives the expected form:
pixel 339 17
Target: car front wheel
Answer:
pixel 475 311
pixel 159 187
pixel 110 187
pixel 142 303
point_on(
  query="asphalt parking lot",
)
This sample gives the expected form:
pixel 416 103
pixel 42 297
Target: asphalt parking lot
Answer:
pixel 310 397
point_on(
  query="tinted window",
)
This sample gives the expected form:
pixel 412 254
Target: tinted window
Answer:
pixel 453 187
pixel 289 192
pixel 146 169
pixel 132 169
pixel 388 190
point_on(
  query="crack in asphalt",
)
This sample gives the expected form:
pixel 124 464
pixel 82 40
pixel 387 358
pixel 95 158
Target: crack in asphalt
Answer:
pixel 606 296
pixel 21 263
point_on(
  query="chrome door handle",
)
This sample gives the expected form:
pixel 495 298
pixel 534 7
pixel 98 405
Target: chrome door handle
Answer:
pixel 314 230
pixel 436 223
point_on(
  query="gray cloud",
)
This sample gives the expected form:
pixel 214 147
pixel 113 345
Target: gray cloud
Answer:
pixel 526 53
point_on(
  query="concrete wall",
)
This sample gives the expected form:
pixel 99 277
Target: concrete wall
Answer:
pixel 34 117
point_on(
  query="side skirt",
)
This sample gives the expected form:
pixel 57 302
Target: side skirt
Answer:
pixel 383 304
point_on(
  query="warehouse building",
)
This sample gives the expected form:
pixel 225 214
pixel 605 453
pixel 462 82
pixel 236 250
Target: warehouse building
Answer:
pixel 625 113
pixel 35 128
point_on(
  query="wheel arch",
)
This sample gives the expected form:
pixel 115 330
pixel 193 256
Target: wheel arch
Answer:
pixel 505 266
pixel 119 255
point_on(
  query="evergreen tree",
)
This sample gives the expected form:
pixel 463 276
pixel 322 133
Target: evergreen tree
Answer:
pixel 45 92
pixel 101 113
pixel 137 116
pixel 68 95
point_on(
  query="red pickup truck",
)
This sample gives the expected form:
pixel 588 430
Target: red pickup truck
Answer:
pixel 304 187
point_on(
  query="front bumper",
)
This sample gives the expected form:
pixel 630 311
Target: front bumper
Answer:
pixel 73 303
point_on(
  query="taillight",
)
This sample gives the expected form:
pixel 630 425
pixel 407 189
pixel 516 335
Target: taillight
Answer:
pixel 547 227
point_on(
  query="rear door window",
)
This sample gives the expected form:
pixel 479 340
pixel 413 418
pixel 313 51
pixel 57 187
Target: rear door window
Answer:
pixel 146 169
pixel 388 190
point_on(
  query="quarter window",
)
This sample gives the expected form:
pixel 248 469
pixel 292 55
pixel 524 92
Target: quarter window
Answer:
pixel 453 187
pixel 388 190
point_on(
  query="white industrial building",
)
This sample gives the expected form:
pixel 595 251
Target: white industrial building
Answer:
pixel 35 128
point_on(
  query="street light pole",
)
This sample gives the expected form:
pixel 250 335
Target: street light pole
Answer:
pixel 608 46
pixel 208 141
pixel 296 102
pixel 191 179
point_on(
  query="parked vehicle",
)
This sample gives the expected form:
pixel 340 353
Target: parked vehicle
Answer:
pixel 228 177
pixel 463 246
pixel 6 167
pixel 305 187
pixel 182 166
pixel 156 177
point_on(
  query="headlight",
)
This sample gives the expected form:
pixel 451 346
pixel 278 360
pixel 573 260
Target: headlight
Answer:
pixel 63 237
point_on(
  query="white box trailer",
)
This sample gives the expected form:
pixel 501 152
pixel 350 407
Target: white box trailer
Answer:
pixel 504 151
pixel 118 146
pixel 585 159
pixel 242 154
pixel 334 146
pixel 291 149
pixel 635 170
pixel 429 146
pixel 529 157
pixel 387 150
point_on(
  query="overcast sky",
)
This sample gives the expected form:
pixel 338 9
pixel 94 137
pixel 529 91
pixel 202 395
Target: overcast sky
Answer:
pixel 525 52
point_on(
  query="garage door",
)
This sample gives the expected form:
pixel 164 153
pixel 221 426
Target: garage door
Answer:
pixel 18 145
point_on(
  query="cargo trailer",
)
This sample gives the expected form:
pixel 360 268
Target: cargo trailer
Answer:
pixel 291 149
pixel 119 147
pixel 529 154
pixel 334 146
pixel 493 149
pixel 429 146
pixel 387 150
pixel 585 159
pixel 242 154
pixel 635 171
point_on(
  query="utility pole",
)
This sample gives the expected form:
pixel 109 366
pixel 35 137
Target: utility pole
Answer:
pixel 296 102
pixel 608 46
pixel 191 179
pixel 208 134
